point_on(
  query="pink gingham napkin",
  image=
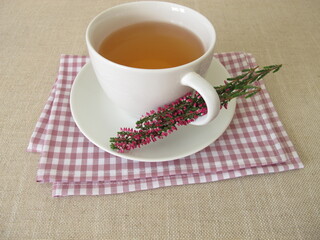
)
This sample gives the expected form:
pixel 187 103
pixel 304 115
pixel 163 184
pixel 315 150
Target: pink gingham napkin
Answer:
pixel 254 143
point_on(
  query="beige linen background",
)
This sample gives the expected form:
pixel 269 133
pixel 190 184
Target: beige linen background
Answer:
pixel 33 34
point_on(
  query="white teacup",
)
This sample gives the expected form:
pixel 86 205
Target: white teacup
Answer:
pixel 137 90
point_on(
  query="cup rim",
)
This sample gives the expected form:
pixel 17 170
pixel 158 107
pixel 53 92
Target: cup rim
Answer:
pixel 186 65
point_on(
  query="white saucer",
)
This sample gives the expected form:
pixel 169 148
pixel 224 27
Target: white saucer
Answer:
pixel 98 119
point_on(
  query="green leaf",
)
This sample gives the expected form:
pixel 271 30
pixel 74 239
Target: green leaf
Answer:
pixel 250 95
pixel 278 68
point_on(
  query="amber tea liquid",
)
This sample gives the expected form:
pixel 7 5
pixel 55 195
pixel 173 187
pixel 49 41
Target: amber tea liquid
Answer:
pixel 152 45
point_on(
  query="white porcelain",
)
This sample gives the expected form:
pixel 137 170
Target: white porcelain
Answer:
pixel 99 119
pixel 140 90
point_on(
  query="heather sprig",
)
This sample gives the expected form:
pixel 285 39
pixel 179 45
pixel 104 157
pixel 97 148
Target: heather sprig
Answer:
pixel 158 124
pixel 241 85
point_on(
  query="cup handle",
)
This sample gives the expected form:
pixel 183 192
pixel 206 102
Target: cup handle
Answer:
pixel 208 93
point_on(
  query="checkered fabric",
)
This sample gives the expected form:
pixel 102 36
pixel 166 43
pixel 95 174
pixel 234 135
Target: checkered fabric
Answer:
pixel 254 143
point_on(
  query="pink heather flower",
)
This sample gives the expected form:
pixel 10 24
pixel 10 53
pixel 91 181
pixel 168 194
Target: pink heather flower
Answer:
pixel 158 124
